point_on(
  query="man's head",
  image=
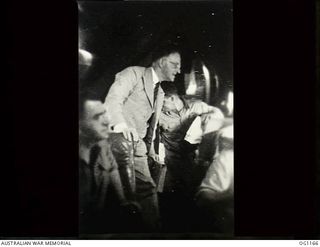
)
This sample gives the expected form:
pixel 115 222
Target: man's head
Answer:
pixel 93 122
pixel 171 97
pixel 166 62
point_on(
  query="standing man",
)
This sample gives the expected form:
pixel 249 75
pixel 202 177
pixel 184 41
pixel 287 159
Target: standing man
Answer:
pixel 134 103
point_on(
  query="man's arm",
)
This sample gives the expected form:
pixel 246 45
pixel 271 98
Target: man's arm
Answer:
pixel 218 181
pixel 120 90
pixel 200 108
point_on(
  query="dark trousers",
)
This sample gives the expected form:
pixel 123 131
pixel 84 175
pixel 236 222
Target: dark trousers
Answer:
pixel 132 161
pixel 146 193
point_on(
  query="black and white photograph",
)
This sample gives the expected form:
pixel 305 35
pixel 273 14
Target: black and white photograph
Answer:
pixel 118 122
pixel 156 118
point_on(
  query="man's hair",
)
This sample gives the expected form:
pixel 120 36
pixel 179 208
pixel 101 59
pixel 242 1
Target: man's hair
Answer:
pixel 164 50
pixel 169 88
pixel 91 91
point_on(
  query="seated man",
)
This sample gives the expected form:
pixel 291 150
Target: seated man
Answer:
pixel 98 171
pixel 177 180
pixel 177 116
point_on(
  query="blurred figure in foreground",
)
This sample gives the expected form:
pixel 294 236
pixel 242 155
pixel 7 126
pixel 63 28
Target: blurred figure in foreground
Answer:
pixel 98 171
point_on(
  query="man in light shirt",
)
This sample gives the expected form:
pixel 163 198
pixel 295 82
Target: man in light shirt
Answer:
pixel 134 103
pixel 179 130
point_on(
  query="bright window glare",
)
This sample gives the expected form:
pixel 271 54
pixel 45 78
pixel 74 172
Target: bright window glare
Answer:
pixel 192 88
pixel 230 103
pixel 86 57
pixel 206 73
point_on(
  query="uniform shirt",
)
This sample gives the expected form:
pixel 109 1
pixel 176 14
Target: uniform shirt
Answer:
pixel 96 177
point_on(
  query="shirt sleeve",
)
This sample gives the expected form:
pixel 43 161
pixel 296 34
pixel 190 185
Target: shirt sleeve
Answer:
pixel 212 117
pixel 125 82
pixel 219 177
pixel 200 108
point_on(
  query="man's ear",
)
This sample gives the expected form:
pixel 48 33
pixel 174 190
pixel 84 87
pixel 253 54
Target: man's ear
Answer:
pixel 162 62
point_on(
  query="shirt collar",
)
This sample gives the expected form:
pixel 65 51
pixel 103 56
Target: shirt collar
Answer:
pixel 155 78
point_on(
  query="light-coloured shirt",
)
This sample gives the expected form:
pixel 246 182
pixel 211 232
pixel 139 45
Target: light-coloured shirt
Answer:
pixel 155 77
pixel 219 178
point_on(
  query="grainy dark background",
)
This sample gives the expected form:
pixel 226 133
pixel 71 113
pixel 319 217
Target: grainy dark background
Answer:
pixel 124 34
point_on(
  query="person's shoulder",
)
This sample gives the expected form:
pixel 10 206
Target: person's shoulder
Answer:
pixel 187 100
pixel 192 102
pixel 200 107
pixel 136 70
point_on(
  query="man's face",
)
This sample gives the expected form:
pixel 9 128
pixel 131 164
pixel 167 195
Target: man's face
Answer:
pixel 94 122
pixel 169 104
pixel 171 66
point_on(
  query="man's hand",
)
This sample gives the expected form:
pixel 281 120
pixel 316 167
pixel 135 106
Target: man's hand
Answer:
pixel 156 158
pixel 128 133
pixel 159 158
